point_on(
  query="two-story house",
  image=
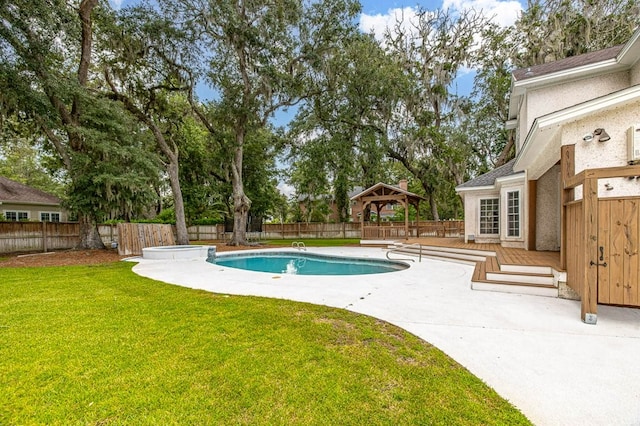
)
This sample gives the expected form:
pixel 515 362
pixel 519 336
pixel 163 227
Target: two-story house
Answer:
pixel 574 185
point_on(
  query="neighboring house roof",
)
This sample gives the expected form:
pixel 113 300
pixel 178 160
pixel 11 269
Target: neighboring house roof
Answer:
pixel 16 192
pixel 489 179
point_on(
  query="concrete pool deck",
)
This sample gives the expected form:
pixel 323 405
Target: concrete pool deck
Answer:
pixel 534 351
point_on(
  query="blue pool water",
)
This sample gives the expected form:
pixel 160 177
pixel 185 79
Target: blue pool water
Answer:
pixel 306 264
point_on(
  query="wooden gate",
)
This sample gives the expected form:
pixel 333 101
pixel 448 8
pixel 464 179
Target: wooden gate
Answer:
pixel 599 231
pixel 133 237
pixel 617 257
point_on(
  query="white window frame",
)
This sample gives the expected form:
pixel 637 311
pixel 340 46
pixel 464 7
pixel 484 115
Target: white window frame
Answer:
pixel 496 219
pixel 514 217
pixel 17 213
pixel 50 216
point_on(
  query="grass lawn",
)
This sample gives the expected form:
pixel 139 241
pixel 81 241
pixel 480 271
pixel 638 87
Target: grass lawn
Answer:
pixel 101 345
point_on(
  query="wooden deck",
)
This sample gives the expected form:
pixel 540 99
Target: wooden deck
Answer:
pixel 505 256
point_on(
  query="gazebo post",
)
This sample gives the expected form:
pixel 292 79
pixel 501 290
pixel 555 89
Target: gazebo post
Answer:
pixel 406 217
pixel 378 221
pixel 364 206
pixel 418 219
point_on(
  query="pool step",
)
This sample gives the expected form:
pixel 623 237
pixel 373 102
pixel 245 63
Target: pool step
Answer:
pixel 489 274
pixel 376 243
pixel 441 253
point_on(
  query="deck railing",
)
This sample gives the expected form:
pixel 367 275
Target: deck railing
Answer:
pixel 430 228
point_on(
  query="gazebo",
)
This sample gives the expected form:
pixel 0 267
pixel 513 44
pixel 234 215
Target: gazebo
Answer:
pixel 380 195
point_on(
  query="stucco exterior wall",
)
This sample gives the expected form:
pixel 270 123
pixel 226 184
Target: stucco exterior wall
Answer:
pixel 550 99
pixel 634 74
pixel 472 215
pixel 33 210
pixel 548 211
pixel 523 128
pixel 545 100
pixel 613 153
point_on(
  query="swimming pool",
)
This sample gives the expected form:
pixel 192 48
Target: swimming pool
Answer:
pixel 297 263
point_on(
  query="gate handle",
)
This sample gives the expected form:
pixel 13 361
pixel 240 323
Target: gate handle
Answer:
pixel 601 253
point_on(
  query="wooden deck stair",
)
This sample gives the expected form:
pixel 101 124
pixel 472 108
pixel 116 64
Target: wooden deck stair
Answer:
pixel 489 274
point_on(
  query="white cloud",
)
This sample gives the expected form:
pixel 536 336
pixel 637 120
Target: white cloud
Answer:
pixel 379 23
pixel 286 189
pixel 503 13
pixel 116 3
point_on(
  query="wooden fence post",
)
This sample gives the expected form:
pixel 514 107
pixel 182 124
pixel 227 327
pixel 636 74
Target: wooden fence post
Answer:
pixel 44 236
pixel 589 301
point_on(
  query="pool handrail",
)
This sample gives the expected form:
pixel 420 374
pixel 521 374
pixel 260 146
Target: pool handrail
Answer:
pixel 299 245
pixel 398 250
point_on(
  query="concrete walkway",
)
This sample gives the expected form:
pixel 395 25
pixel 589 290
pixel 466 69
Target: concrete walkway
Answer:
pixel 534 351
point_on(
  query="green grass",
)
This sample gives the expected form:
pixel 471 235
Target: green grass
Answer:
pixel 315 242
pixel 101 345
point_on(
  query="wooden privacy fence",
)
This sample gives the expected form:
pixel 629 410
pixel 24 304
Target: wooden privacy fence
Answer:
pixel 279 231
pixel 133 237
pixel 45 236
pixel 41 236
pixel 575 231
pixel 311 230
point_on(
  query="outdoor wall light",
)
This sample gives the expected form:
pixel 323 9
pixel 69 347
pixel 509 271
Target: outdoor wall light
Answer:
pixel 603 136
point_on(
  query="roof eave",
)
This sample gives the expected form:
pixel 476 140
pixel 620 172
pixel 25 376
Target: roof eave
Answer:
pixel 630 53
pixel 513 177
pixel 28 203
pixel 475 188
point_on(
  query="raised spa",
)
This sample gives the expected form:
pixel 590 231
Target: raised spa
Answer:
pixel 183 252
pixel 306 263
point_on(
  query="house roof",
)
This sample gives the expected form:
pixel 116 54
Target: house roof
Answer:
pixel 16 192
pixel 567 63
pixel 489 179
pixel 605 61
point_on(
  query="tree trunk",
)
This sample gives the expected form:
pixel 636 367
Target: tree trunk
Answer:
pixel 89 235
pixel 434 206
pixel 506 153
pixel 171 152
pixel 241 203
pixel 182 236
